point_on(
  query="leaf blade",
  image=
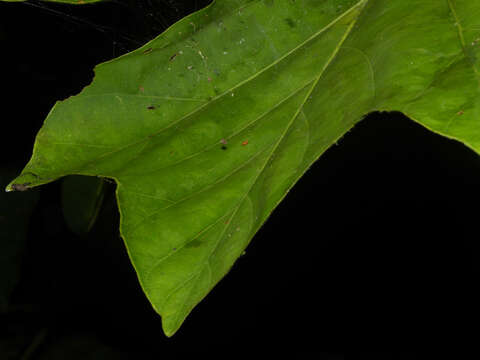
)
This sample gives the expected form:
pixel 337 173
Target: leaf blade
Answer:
pixel 177 185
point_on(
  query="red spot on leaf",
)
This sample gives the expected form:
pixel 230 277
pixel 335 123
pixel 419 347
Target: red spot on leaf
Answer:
pixel 244 142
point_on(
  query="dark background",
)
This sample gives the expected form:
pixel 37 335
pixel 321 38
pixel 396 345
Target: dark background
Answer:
pixel 376 248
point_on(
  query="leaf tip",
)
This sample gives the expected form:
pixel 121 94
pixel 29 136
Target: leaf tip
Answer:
pixel 169 333
pixel 169 330
pixel 23 182
pixel 171 325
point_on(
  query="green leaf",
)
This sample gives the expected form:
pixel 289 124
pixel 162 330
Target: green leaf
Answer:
pixel 82 198
pixel 207 127
pixel 15 210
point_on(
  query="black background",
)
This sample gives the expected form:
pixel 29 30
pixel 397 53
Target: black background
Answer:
pixel 375 248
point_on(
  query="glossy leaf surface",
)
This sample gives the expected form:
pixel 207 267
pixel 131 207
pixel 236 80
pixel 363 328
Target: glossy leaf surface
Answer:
pixel 207 127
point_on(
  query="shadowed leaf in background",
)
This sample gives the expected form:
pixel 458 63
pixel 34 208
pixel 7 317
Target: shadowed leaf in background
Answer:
pixel 207 127
pixel 82 198
pixel 15 211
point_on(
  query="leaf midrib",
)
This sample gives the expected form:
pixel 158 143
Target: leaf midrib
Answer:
pixel 201 267
pixel 224 177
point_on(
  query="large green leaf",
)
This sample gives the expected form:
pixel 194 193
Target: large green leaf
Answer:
pixel 207 127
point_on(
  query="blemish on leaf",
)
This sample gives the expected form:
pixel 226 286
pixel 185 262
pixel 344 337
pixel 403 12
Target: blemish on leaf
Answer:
pixel 224 142
pixel 194 244
pixel 151 107
pixel 245 142
pixel 290 22
pixel 20 187
pixel 141 89
pixel 33 174
pixel 461 112
pixel 172 57
pixel 224 147
pixel 149 50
